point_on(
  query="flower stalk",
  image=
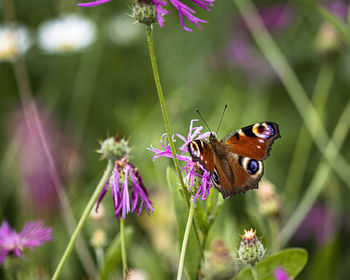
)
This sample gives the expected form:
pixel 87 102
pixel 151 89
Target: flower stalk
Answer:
pixel 82 220
pixel 122 241
pixel 184 242
pixel 254 271
pixel 162 103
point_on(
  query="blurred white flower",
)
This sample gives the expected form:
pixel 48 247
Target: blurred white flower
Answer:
pixel 14 42
pixel 122 30
pixel 67 34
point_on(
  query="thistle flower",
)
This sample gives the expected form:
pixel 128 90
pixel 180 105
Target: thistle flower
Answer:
pixel 251 250
pixel 67 34
pixel 14 42
pixel 32 235
pixel 151 11
pixel 128 191
pixel 194 171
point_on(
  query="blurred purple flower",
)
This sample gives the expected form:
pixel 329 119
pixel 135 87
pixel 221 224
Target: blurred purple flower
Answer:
pixel 32 235
pixel 281 274
pixel 319 224
pixel 183 10
pixel 192 169
pixel 40 156
pixel 338 8
pixel 130 195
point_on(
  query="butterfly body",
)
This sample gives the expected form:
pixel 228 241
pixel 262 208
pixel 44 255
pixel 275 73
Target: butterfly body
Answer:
pixel 236 162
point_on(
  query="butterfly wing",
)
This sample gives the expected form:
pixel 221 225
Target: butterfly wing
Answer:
pixel 236 174
pixel 201 151
pixel 253 141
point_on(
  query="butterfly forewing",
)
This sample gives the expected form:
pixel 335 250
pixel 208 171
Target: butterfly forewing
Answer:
pixel 253 141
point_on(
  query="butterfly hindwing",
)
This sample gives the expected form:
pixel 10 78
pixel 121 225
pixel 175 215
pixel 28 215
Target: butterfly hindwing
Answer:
pixel 253 141
pixel 236 174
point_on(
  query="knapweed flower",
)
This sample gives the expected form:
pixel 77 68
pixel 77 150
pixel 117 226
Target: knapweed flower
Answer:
pixel 14 42
pixel 251 250
pixel 151 11
pixel 66 34
pixel 32 235
pixel 194 171
pixel 128 191
pixel 280 274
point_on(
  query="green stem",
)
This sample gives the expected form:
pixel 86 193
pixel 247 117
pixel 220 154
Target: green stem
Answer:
pixel 304 142
pixel 166 120
pixel 295 90
pixel 162 103
pixel 318 181
pixel 184 241
pixel 254 271
pixel 122 240
pixel 274 234
pixel 82 220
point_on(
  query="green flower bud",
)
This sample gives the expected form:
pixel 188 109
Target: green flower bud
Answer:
pixel 251 250
pixel 267 199
pixel 144 11
pixel 113 149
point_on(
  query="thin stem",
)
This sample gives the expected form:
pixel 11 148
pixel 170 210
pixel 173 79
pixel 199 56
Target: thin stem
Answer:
pixel 304 142
pixel 318 181
pixel 295 90
pixel 82 220
pixel 274 234
pixel 254 271
pixel 184 241
pixel 162 103
pixel 166 119
pixel 122 240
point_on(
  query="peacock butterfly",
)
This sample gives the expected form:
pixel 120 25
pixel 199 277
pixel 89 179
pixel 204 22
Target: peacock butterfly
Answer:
pixel 236 162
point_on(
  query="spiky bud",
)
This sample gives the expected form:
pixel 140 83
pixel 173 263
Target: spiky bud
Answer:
pixel 144 11
pixel 251 250
pixel 114 149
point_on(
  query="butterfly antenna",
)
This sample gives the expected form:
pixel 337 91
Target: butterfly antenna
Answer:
pixel 203 119
pixel 222 116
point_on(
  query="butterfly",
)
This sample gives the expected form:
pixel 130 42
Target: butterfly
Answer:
pixel 236 162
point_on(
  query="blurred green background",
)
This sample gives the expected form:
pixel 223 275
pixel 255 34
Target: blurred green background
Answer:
pixel 108 88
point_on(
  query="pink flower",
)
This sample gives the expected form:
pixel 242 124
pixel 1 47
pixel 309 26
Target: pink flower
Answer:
pixel 32 235
pixel 130 195
pixel 191 168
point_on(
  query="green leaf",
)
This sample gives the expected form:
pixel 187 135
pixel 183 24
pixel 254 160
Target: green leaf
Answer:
pixel 341 26
pixel 201 218
pixel 113 254
pixel 292 260
pixel 192 257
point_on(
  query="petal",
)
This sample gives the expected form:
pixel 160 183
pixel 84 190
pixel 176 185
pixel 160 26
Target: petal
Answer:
pixel 93 4
pixel 102 194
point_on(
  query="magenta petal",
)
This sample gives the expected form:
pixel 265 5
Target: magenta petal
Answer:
pixel 102 194
pixel 93 4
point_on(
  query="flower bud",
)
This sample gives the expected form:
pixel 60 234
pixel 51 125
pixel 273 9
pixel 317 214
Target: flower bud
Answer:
pixel 220 264
pixel 98 239
pixel 327 41
pixel 251 250
pixel 144 11
pixel 113 149
pixel 267 199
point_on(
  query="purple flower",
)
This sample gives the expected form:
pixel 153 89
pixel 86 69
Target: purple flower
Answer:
pixel 319 224
pixel 280 274
pixel 128 191
pixel 192 169
pixel 32 235
pixel 183 10
pixel 338 8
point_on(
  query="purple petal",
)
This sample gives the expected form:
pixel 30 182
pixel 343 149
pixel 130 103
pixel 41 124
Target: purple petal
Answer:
pixel 102 194
pixel 34 234
pixel 281 274
pixel 3 255
pixel 125 194
pixel 93 4
pixel 160 11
